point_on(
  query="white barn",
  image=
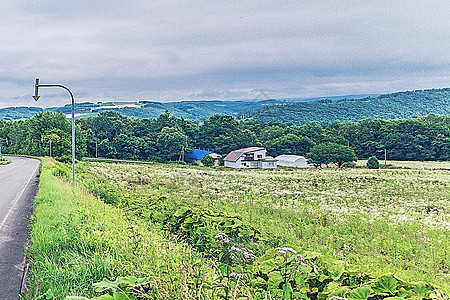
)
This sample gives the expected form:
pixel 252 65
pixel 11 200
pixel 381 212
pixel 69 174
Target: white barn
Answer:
pixel 296 161
pixel 250 158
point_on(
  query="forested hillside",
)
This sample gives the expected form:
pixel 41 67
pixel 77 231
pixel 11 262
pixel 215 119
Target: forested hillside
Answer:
pixel 297 111
pixel 403 105
pixel 17 113
pixel 190 110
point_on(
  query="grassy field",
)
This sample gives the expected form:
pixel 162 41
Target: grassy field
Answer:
pixel 417 165
pixel 166 224
pixel 386 220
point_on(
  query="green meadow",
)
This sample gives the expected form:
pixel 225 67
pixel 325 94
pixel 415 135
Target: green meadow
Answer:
pixel 394 220
pixel 351 226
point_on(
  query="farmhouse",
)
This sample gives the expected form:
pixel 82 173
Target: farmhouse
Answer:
pixel 252 157
pixel 197 155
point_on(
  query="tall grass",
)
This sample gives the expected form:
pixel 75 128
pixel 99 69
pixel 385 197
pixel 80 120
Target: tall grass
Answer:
pixel 394 220
pixel 77 240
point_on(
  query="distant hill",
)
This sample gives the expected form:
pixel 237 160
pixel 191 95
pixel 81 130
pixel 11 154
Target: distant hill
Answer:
pixel 191 110
pixel 298 111
pixel 402 105
pixel 16 113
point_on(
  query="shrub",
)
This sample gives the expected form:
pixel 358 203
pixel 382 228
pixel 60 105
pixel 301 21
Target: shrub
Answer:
pixel 208 161
pixel 350 164
pixel 373 163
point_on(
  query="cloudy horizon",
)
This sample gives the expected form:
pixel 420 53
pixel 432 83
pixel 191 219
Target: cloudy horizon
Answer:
pixel 229 50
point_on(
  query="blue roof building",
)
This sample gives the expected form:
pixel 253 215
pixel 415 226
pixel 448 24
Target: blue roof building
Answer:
pixel 198 154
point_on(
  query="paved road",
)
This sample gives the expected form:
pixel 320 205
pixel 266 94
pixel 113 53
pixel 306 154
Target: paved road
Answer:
pixel 17 191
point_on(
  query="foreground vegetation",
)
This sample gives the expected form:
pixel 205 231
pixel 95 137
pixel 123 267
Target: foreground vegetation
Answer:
pixel 77 240
pixel 203 233
pixel 384 220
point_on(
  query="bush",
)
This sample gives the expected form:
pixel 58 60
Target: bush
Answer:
pixel 373 163
pixel 208 161
pixel 350 164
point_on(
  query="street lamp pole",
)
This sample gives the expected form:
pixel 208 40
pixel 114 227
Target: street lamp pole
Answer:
pixel 36 98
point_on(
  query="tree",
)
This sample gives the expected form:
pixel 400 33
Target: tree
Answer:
pixel 326 153
pixel 373 163
pixel 222 134
pixel 127 147
pixel 314 131
pixel 270 133
pixel 289 144
pixel 169 143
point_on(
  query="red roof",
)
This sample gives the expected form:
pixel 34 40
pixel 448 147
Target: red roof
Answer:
pixel 234 155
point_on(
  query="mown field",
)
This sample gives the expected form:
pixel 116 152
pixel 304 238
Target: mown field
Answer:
pixel 179 227
pixel 393 220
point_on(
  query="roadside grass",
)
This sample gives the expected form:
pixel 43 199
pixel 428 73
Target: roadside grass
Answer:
pixel 393 220
pixel 77 240
pixel 4 161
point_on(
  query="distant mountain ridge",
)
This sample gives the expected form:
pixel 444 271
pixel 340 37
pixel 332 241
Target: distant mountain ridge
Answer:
pixel 190 110
pixel 298 111
pixel 401 105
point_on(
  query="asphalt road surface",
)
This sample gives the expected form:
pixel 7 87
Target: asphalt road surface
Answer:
pixel 17 191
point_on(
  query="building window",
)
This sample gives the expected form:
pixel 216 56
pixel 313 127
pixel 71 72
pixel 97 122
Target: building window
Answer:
pixel 259 155
pixel 249 157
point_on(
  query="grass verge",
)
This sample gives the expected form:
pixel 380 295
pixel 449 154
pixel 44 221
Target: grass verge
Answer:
pixel 77 240
pixel 4 161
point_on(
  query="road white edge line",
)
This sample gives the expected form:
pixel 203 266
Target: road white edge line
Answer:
pixel 13 206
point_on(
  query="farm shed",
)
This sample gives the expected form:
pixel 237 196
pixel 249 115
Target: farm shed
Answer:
pixel 197 155
pixel 250 158
pixel 296 161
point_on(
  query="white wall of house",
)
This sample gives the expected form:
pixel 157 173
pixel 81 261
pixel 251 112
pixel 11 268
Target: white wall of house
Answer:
pixel 231 164
pixel 268 164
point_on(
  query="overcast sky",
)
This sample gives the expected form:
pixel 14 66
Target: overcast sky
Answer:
pixel 196 50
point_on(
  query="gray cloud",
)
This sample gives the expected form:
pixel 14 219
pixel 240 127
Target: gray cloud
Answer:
pixel 173 50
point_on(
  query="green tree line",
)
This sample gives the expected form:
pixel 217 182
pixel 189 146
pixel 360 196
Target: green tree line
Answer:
pixel 163 139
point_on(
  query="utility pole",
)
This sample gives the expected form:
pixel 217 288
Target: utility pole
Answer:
pixel 181 157
pixel 36 98
pixel 39 141
pixel 47 137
